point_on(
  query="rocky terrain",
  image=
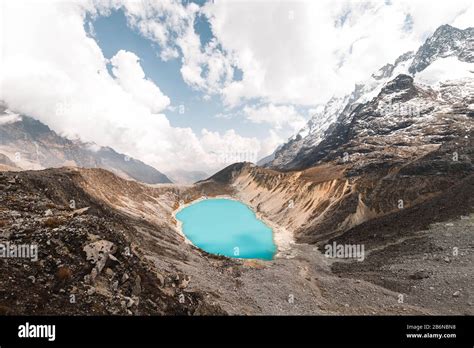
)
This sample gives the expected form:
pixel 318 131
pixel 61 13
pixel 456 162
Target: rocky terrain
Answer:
pixel 87 257
pixel 112 244
pixel 96 259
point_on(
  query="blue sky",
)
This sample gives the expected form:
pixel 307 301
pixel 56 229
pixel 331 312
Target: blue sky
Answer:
pixel 113 34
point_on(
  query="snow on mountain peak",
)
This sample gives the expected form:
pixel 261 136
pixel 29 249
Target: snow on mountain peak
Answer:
pixel 446 55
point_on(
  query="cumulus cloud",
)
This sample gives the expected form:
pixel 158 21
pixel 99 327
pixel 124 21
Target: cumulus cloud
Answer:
pixel 279 117
pixel 53 71
pixel 290 53
pixel 171 25
pixel 270 143
pixel 230 147
pixel 283 122
pixel 130 76
pixel 304 52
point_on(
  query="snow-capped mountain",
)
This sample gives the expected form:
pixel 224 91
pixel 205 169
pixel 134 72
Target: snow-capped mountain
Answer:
pixel 405 121
pixel 446 41
pixel 446 56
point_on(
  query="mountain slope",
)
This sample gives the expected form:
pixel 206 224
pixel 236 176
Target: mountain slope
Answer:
pixel 405 120
pixel 452 84
pixel 32 145
pixel 446 41
pixel 407 215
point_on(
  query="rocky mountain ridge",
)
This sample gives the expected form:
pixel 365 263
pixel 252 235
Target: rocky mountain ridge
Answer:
pixel 446 42
pixel 29 144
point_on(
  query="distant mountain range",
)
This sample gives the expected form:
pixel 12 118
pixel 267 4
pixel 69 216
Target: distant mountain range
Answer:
pixel 26 143
pixel 187 177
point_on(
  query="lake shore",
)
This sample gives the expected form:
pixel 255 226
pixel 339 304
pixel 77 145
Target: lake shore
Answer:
pixel 282 238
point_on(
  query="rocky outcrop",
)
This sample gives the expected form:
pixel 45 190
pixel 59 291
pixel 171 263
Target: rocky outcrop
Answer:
pixel 446 41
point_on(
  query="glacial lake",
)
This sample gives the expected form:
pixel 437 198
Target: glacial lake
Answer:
pixel 227 227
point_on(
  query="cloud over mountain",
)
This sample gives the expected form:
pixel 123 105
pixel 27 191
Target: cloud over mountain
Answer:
pixel 53 71
pixel 289 54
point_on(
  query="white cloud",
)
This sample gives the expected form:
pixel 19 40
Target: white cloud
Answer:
pixel 304 52
pixel 169 53
pixel 291 53
pixel 465 19
pixel 230 147
pixel 283 120
pixel 279 117
pixel 204 68
pixel 53 71
pixel 171 25
pixel 131 77
pixel 270 143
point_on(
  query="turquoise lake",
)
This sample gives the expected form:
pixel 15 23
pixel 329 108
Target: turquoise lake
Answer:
pixel 227 227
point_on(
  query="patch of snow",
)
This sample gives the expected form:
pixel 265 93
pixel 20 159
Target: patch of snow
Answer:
pixel 443 70
pixel 9 117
